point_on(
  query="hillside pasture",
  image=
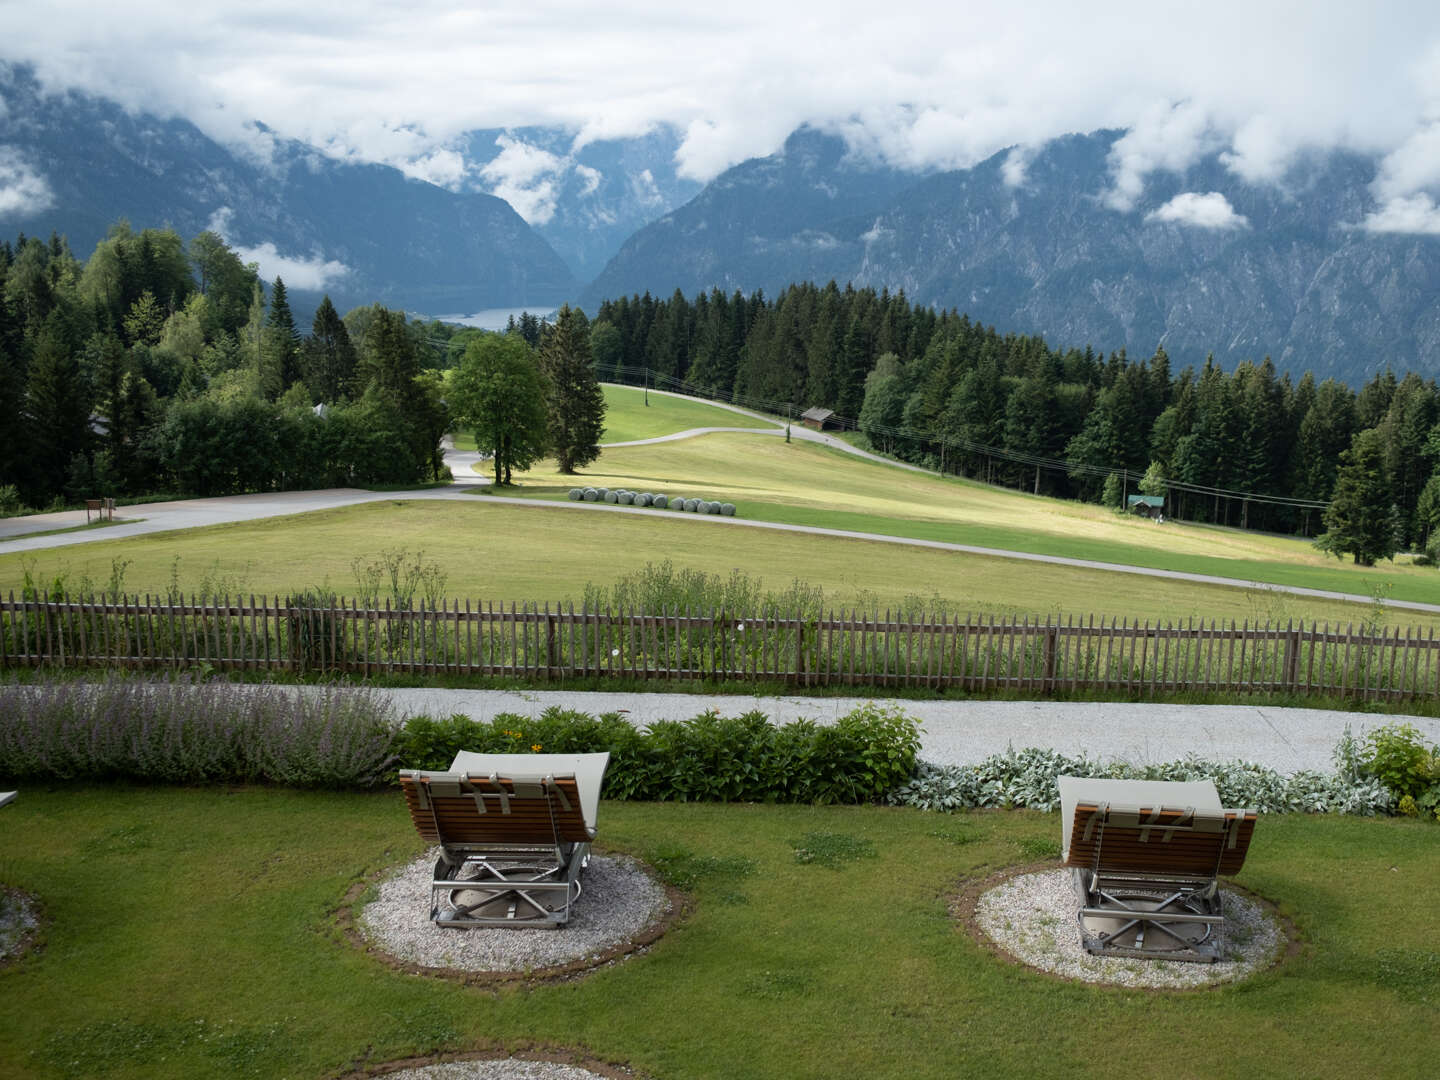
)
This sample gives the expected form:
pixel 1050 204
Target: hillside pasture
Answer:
pixel 804 483
pixel 498 552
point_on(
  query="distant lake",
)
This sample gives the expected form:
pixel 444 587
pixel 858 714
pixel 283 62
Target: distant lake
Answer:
pixel 494 318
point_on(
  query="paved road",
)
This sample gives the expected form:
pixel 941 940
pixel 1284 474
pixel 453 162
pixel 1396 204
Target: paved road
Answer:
pixel 468 469
pixel 959 732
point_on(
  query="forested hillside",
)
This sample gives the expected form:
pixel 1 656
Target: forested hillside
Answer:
pixel 1250 447
pixel 161 366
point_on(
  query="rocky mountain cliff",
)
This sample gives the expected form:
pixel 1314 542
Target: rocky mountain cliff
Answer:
pixel 1201 262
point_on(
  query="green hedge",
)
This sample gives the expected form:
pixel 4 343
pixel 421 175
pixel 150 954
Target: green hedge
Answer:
pixel 711 757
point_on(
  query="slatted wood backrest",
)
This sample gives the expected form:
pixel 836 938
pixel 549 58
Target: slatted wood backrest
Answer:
pixel 447 808
pixel 1160 840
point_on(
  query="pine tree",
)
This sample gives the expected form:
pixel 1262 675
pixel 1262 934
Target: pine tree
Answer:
pixel 281 341
pixel 57 411
pixel 330 356
pixel 576 403
pixel 1358 520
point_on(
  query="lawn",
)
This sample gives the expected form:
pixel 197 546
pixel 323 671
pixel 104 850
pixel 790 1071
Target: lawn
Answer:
pixel 806 484
pixel 502 553
pixel 200 937
pixel 628 417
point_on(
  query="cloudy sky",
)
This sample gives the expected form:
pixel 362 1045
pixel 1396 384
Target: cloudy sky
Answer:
pixel 921 84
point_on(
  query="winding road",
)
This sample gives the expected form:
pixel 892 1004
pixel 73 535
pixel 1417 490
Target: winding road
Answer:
pixel 17 534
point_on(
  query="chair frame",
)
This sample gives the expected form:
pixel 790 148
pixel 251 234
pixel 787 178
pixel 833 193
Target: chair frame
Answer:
pixel 512 847
pixel 1149 874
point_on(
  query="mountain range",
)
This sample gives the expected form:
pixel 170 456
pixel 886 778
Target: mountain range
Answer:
pixel 1035 241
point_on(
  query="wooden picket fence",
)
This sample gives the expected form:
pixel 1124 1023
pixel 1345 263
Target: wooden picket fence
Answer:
pixel 850 649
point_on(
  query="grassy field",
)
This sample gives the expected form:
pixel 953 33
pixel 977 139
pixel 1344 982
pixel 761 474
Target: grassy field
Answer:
pixel 628 417
pixel 806 484
pixel 497 552
pixel 202 938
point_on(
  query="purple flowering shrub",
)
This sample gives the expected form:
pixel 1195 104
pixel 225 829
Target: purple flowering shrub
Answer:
pixel 187 730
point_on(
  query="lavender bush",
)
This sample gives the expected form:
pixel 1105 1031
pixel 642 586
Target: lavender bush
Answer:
pixel 189 730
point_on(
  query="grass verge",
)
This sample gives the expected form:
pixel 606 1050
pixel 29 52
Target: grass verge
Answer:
pixel 212 915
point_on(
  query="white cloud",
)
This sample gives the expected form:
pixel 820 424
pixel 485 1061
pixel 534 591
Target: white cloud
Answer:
pixel 1416 214
pixel 1012 169
pixel 443 168
pixel 1211 210
pixel 1163 137
pixel 23 190
pixel 299 273
pixel 527 177
pixel 316 272
pixel 918 84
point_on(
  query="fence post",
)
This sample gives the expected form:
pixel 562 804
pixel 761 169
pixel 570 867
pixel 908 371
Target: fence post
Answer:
pixel 1052 636
pixel 1292 659
pixel 551 627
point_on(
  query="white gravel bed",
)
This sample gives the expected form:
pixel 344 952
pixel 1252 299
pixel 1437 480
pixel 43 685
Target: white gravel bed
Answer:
pixel 17 921
pixel 965 732
pixel 1032 917
pixel 619 899
pixel 501 1069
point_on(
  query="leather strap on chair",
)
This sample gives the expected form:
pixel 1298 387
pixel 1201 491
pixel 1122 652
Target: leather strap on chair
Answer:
pixel 500 790
pixel 1149 823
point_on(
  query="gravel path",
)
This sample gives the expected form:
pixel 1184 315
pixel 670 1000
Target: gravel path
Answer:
pixel 964 732
pixel 1032 917
pixel 502 1069
pixel 618 901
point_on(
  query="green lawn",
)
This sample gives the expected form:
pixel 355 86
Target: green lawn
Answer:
pixel 194 932
pixel 628 417
pixel 493 552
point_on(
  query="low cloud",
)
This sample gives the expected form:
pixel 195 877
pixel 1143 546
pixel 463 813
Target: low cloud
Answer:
pixel 23 190
pixel 444 168
pixel 1211 210
pixel 922 86
pixel 1012 169
pixel 299 272
pixel 1165 137
pixel 1414 214
pixel 525 176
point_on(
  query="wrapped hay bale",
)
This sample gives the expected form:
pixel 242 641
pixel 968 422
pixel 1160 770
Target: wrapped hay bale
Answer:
pixel 661 501
pixel 728 509
pixel 590 495
pixel 644 499
pixel 575 494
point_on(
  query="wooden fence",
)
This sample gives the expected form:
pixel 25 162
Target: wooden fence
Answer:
pixel 973 653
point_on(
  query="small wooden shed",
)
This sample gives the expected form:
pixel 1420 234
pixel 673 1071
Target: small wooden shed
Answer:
pixel 1148 505
pixel 818 418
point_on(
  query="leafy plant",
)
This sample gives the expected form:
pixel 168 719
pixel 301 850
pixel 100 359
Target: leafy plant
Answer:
pixel 1396 755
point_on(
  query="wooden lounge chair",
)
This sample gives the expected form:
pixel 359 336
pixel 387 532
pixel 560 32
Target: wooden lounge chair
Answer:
pixel 514 832
pixel 1146 856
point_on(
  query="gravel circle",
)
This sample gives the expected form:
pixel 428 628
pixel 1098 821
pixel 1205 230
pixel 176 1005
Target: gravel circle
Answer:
pixel 19 920
pixel 500 1069
pixel 619 899
pixel 1032 917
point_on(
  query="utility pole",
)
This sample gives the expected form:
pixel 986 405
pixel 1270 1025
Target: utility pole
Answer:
pixel 647 387
pixel 789 415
